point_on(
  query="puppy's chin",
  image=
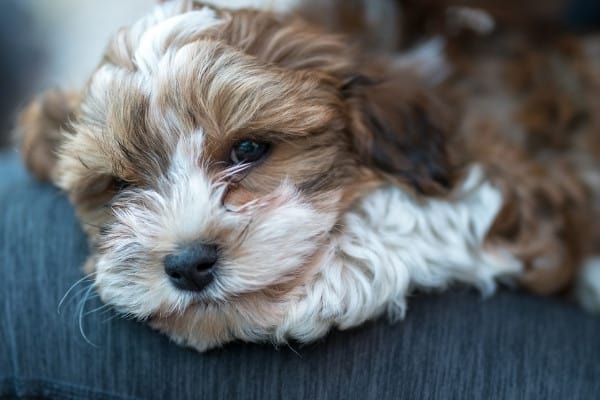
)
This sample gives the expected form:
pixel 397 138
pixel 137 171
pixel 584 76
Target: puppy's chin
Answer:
pixel 204 326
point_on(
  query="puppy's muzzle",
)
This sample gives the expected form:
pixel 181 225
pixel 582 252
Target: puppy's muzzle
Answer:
pixel 191 267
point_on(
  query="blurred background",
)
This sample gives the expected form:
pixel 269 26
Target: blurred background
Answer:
pixel 57 43
pixel 53 43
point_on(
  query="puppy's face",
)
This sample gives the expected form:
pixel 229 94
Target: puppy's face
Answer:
pixel 212 155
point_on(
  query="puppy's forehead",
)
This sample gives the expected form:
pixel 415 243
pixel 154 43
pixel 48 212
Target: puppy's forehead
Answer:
pixel 188 68
pixel 167 35
pixel 147 40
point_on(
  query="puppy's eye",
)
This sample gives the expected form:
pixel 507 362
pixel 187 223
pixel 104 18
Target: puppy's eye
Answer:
pixel 248 151
pixel 118 184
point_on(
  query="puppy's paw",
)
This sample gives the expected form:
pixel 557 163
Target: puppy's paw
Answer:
pixel 40 130
pixel 588 285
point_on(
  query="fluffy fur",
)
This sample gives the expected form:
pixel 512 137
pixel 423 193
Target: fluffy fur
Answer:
pixel 373 187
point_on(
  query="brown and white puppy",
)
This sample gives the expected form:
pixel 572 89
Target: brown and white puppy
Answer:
pixel 244 175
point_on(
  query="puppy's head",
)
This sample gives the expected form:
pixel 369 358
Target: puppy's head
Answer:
pixel 213 153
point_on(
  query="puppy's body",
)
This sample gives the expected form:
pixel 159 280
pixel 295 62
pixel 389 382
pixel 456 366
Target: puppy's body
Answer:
pixel 366 188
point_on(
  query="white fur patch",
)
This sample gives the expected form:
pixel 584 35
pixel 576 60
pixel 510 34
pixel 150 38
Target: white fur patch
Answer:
pixel 392 243
pixel 172 30
pixel 428 60
pixel 279 6
pixel 475 19
pixel 588 285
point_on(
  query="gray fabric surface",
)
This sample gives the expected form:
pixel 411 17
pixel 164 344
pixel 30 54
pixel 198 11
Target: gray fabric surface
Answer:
pixel 451 346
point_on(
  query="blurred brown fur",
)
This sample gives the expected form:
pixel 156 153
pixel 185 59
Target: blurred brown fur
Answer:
pixel 40 130
pixel 529 114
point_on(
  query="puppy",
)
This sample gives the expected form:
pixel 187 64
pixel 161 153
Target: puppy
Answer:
pixel 243 174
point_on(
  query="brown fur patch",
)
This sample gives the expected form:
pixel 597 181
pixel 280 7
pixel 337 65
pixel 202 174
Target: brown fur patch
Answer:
pixel 399 129
pixel 526 110
pixel 40 130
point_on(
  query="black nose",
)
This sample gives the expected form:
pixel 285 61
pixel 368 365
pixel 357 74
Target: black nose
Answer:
pixel 191 267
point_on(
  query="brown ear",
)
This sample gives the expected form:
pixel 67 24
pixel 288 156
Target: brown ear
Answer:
pixel 397 129
pixel 40 130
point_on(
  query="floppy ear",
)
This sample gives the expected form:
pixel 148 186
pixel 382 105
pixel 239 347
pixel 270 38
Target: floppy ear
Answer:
pixel 398 129
pixel 40 130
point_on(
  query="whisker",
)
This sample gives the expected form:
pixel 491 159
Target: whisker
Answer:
pixel 73 286
pixel 229 173
pixel 82 303
pixel 108 310
pixel 110 318
pixel 100 309
pixel 244 233
pixel 289 346
pixel 243 207
pixel 212 164
pixel 93 225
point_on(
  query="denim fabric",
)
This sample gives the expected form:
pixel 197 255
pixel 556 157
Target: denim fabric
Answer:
pixel 451 346
pixel 11 170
